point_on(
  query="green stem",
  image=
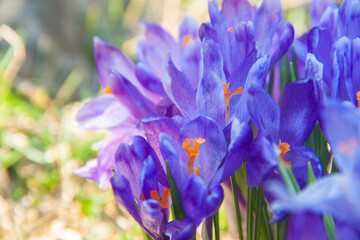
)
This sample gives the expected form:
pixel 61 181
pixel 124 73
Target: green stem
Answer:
pixel 258 219
pixel 237 208
pixel 216 226
pixel 249 216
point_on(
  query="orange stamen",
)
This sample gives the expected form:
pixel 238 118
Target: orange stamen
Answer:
pixel 192 152
pixel 186 39
pixel 227 96
pixel 231 29
pixel 166 195
pixel 358 98
pixel 284 148
pixel 155 195
pixel 107 90
pixel 197 170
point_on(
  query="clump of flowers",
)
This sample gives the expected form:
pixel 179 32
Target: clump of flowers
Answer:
pixel 200 114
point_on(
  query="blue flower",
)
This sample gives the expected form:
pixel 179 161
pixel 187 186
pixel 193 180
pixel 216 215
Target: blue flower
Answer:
pixel 140 186
pixel 337 194
pixel 134 91
pixel 281 133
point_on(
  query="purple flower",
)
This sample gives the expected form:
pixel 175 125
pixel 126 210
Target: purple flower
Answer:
pixel 244 32
pixel 281 133
pixel 133 92
pixel 338 193
pixel 140 186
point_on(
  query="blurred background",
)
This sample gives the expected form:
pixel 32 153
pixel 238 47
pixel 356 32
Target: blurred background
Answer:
pixel 46 74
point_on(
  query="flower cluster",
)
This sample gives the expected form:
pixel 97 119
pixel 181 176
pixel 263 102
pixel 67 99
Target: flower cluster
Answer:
pixel 192 114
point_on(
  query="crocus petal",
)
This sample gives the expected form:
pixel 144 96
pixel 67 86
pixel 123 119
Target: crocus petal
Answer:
pixel 180 91
pixel 324 196
pixel 260 162
pixel 224 37
pixel 286 39
pixel 342 86
pixel 109 58
pixel 207 32
pixel 264 112
pixel 355 52
pixel 210 98
pixel 152 218
pixel 128 95
pixel 349 15
pixel 148 178
pixel 318 8
pixel 154 125
pixel 193 196
pixel 214 198
pixel 267 20
pixel 89 171
pixel 245 42
pixel 213 60
pixel 212 151
pixel 102 112
pixel 256 77
pixel 235 11
pixel 344 143
pixel 306 225
pixel 123 195
pixel 150 55
pixel 188 26
pixel 299 156
pixel 129 165
pixel 162 39
pixel 148 79
pixel 345 231
pixel 241 138
pixel 181 230
pixel 144 150
pixel 319 43
pixel 298 112
pixel 191 62
pixel 171 151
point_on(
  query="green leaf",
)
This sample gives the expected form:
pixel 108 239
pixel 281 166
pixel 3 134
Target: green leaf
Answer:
pixel 177 205
pixel 249 213
pixel 216 226
pixel 310 175
pixel 330 227
pixel 237 208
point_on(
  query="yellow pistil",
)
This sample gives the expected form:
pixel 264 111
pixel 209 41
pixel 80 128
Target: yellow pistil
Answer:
pixel 231 29
pixel 227 97
pixel 358 98
pixel 155 195
pixel 192 152
pixel 284 148
pixel 186 39
pixel 107 90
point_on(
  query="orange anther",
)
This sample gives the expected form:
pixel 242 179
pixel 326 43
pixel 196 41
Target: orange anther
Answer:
pixel 107 90
pixel 186 39
pixel 192 151
pixel 155 195
pixel 227 96
pixel 284 148
pixel 286 163
pixel 358 98
pixel 231 29
pixel 166 195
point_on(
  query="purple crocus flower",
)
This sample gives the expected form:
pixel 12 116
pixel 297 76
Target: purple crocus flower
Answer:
pixel 132 92
pixel 281 133
pixel 200 157
pixel 336 194
pixel 334 42
pixel 244 32
pixel 140 186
